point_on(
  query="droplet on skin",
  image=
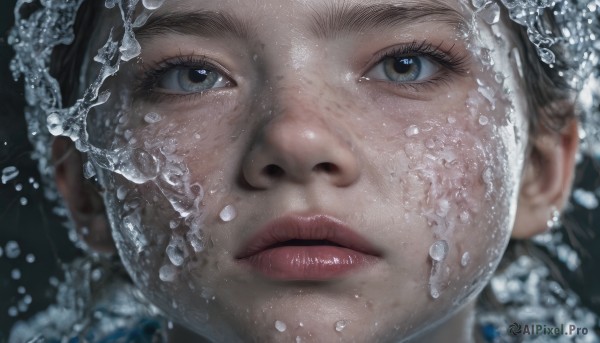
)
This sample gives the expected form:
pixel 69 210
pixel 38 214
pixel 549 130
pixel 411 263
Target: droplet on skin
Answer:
pixel 412 130
pixel 175 251
pixel 483 120
pixel 464 216
pixel 173 224
pixel 280 326
pixel 438 250
pixel 487 175
pixel 121 192
pixel 429 144
pixel 152 118
pixel 228 213
pixel 434 292
pixel 465 259
pixel 167 273
pixel 451 120
pixel 9 173
pixel 340 325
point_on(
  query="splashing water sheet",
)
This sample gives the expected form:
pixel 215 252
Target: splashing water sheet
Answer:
pixel 456 168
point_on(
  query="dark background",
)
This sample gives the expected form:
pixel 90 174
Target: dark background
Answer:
pixel 39 232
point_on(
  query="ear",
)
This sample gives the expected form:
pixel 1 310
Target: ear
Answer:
pixel 82 198
pixel 547 179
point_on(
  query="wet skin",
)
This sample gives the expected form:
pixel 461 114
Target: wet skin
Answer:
pixel 395 128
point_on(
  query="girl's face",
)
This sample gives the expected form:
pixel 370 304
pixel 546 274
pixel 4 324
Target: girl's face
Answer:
pixel 328 170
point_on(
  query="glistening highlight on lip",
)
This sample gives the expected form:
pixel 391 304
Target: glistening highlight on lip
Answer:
pixel 316 247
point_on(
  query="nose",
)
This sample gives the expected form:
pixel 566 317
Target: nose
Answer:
pixel 300 148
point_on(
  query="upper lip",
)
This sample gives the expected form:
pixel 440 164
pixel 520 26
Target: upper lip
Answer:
pixel 318 227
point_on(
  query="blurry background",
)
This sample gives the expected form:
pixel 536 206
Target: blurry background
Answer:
pixel 34 244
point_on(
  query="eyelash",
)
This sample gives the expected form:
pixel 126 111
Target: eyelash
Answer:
pixel 148 79
pixel 450 61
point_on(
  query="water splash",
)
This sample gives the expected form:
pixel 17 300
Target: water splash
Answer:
pixel 280 326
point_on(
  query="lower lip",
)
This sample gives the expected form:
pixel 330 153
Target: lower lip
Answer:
pixel 308 263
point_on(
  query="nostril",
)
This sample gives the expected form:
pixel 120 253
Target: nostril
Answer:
pixel 273 170
pixel 326 167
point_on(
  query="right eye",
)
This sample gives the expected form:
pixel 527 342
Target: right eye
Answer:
pixel 185 80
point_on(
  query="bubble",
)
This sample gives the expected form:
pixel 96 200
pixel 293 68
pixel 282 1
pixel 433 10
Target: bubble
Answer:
pixel 15 274
pixel 9 173
pixel 152 118
pixel 465 259
pixel 412 130
pixel 483 120
pixel 12 249
pixel 152 4
pixel 438 250
pixel 340 325
pixel 23 201
pixel 228 213
pixel 280 326
pixel 167 273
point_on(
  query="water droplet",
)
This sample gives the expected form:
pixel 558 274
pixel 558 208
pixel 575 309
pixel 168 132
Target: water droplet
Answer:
pixel 88 170
pixel 465 259
pixel 152 4
pixel 176 250
pixel 546 55
pixel 585 198
pixel 464 216
pixel 488 175
pixel 18 187
pixel 152 118
pixel 412 130
pixel 173 224
pixel 483 120
pixel 490 14
pixel 23 201
pixel 12 311
pixel 197 136
pixel 15 274
pixel 438 250
pixel 9 173
pixel 30 258
pixel 121 192
pixel 27 299
pixel 451 120
pixel 196 240
pixel 443 207
pixel 12 249
pixel 479 3
pixel 55 124
pixel 228 213
pixel 21 290
pixel 340 325
pixel 36 185
pixel 430 143
pixel 434 292
pixel 280 326
pixel 167 273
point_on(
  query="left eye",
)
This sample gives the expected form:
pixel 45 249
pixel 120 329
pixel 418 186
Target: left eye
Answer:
pixel 404 69
pixel 191 80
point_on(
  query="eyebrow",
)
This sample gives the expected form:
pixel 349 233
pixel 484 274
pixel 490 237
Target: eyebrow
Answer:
pixel 327 22
pixel 197 23
pixel 343 17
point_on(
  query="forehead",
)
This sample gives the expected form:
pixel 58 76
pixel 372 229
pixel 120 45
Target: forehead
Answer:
pixel 318 18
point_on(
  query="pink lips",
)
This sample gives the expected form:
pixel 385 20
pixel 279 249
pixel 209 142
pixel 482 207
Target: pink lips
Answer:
pixel 309 248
